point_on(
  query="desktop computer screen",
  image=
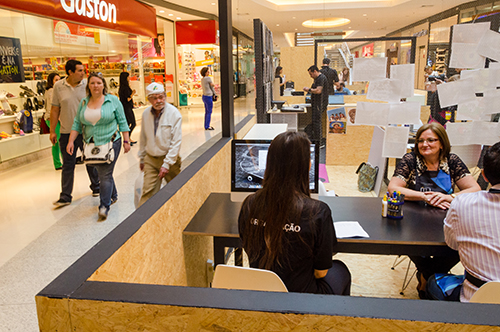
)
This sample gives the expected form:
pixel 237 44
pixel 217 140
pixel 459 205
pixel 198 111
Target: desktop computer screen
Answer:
pixel 248 165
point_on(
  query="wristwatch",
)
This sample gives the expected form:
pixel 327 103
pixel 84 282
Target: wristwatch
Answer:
pixel 126 142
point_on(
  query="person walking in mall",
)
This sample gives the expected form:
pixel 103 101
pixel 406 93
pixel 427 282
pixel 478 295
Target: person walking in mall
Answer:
pixel 160 142
pixel 98 116
pixel 319 102
pixel 126 95
pixel 67 95
pixel 208 93
pixel 49 91
pixel 331 75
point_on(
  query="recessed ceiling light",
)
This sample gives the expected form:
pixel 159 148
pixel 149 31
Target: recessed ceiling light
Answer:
pixel 327 22
pixel 365 15
pixel 113 51
pixel 178 18
pixel 294 17
pixel 277 25
pixel 170 14
pixel 349 27
pixel 296 29
pixel 162 11
pixel 213 3
pixel 374 21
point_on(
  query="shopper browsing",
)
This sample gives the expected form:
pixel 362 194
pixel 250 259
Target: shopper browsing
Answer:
pixel 208 93
pixel 286 231
pixel 68 93
pixel 160 142
pixel 98 117
pixel 331 75
pixel 49 92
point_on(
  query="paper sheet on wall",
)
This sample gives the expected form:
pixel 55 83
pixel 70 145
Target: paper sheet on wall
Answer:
pixel 465 55
pixel 469 33
pixel 395 142
pixel 404 113
pixel 389 90
pixel 406 74
pixel 488 46
pixel 468 153
pixel 491 102
pixel 471 110
pixel 347 229
pixel 476 132
pixel 457 92
pixel 369 69
pixel 372 113
pixel 482 78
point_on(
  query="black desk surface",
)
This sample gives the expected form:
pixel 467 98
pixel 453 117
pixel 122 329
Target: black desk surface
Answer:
pixel 420 231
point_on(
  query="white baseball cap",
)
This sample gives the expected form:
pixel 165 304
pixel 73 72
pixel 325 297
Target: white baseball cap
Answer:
pixel 154 88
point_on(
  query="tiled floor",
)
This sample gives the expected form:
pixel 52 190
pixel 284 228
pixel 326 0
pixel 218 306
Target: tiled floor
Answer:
pixel 37 243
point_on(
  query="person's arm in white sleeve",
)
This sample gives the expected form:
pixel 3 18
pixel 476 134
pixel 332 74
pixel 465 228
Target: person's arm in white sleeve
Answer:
pixel 449 223
pixel 142 141
pixel 175 143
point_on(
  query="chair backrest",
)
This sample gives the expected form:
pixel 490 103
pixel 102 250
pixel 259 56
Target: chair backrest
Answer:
pixel 488 293
pixel 236 277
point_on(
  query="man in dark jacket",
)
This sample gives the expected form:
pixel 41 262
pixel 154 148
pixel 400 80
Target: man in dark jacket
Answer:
pixel 331 75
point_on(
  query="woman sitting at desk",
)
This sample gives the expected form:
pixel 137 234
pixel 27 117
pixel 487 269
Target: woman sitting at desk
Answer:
pixel 428 174
pixel 285 231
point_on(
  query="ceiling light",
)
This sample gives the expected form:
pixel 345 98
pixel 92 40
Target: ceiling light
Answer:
pixel 374 21
pixel 213 3
pixel 277 25
pixel 327 22
pixel 365 15
pixel 170 14
pixel 294 17
pixel 178 18
pixel 296 29
pixel 162 11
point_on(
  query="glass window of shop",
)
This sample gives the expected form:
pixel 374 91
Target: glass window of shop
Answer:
pixel 246 65
pixel 439 44
pixel 191 59
pixel 47 44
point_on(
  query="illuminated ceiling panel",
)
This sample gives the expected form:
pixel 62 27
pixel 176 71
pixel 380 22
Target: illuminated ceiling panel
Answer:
pixel 291 5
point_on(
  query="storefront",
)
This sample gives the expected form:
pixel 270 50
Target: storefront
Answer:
pixel 197 47
pixel 37 38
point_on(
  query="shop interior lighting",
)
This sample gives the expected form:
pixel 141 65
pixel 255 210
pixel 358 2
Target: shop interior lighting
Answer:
pixel 327 22
pixel 162 11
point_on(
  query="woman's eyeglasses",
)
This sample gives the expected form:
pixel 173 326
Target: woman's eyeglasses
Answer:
pixel 428 140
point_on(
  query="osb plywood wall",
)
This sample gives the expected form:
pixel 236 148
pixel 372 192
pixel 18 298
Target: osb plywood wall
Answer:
pixel 295 61
pixel 157 253
pixel 53 314
pixel 112 316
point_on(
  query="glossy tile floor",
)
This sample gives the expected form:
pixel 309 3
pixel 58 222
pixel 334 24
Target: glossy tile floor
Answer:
pixel 37 242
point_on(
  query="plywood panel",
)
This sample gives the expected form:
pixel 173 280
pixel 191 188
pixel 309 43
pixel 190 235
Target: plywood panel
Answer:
pixel 351 148
pixel 425 111
pixel 155 254
pixel 53 314
pixel 112 316
pixel 295 61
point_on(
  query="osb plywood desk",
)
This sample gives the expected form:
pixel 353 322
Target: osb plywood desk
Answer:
pixel 420 232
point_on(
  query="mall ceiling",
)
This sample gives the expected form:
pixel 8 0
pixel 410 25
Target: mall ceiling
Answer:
pixel 368 18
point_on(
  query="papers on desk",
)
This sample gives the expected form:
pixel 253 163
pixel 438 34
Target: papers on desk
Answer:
pixel 347 229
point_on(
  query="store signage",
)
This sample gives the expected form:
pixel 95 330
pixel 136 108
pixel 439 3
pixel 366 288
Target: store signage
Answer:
pixel 367 51
pixel 100 10
pixel 11 60
pixel 76 34
pixel 120 15
pixel 196 32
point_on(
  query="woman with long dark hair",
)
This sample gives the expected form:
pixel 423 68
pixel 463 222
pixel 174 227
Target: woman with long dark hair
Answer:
pixel 49 91
pixel 286 231
pixel 279 74
pixel 126 95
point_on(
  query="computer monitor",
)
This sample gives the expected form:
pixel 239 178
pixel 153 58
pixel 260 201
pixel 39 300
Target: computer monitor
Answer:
pixel 248 165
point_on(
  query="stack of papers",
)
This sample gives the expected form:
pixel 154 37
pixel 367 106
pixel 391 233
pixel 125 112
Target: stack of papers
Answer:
pixel 347 229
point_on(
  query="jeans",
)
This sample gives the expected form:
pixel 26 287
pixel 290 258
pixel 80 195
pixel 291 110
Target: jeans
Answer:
pixel 209 104
pixel 68 168
pixel 105 171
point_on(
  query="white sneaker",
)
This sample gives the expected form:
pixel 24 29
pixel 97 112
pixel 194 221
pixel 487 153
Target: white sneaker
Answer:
pixel 103 214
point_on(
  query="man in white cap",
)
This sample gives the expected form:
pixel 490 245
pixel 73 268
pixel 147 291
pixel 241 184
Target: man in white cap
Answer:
pixel 160 141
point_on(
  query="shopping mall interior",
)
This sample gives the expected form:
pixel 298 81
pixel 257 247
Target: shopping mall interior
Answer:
pixel 142 268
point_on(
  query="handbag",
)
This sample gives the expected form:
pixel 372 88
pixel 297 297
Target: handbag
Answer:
pixel 26 121
pixel 214 97
pixel 44 128
pixel 99 154
pixel 367 175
